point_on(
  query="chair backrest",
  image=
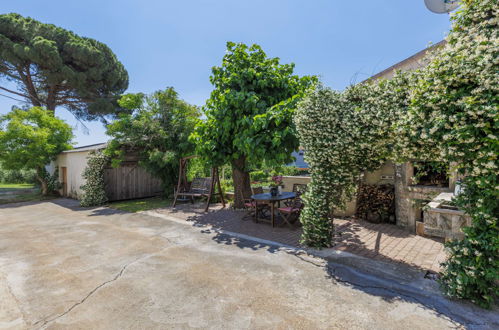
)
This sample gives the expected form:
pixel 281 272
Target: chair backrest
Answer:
pixel 299 188
pixel 200 185
pixel 297 203
pixel 257 190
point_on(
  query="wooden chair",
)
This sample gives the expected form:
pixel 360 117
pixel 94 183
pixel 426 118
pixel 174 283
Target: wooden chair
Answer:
pixel 257 190
pixel 251 205
pixel 299 188
pixel 291 212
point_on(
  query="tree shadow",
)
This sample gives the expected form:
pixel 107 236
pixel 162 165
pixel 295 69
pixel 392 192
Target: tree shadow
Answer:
pixel 234 227
pixel 249 234
pixel 16 204
pixel 220 223
pixel 350 234
pixel 379 241
pixel 461 312
pixel 385 242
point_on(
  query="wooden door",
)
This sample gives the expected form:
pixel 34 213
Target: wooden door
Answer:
pixel 64 172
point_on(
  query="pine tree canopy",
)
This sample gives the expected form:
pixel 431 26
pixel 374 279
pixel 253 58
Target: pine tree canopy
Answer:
pixel 53 67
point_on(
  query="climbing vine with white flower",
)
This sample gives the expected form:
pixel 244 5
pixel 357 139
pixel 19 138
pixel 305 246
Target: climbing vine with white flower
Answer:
pixel 447 111
pixel 94 193
pixel 454 105
pixel 344 134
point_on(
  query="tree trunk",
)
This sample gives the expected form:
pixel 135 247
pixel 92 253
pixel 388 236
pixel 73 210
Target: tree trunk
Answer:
pixel 51 99
pixel 43 182
pixel 241 179
pixel 51 108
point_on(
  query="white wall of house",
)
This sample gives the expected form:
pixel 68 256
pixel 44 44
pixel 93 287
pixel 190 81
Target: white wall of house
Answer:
pixel 413 62
pixel 75 163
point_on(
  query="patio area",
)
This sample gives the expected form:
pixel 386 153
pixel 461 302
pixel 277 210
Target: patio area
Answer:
pixel 376 241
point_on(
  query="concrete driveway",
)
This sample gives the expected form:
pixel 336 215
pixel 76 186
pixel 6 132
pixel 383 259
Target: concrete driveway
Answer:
pixel 66 267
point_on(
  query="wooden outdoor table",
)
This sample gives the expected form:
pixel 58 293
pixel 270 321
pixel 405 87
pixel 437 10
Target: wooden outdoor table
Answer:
pixel 272 200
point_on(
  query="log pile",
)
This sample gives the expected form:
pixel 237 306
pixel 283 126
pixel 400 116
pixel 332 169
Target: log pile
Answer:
pixel 376 203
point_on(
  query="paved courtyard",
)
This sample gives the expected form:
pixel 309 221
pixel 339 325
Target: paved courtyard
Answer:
pixel 66 267
pixel 376 241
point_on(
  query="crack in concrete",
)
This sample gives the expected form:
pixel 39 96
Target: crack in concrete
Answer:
pixel 116 277
pixel 46 321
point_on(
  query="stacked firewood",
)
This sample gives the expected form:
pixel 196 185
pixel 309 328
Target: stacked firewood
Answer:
pixel 376 203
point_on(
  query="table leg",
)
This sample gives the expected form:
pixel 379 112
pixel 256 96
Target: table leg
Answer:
pixel 256 211
pixel 272 213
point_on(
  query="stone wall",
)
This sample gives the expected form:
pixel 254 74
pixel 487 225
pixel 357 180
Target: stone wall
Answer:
pixel 409 198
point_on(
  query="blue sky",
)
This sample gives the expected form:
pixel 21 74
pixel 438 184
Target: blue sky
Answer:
pixel 175 43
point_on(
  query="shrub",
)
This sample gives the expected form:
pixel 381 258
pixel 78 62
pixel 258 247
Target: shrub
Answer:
pixel 94 193
pixel 17 176
pixel 52 180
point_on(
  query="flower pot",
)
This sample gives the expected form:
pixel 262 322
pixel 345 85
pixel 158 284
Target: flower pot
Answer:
pixel 274 191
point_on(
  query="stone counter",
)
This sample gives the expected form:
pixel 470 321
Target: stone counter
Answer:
pixel 442 220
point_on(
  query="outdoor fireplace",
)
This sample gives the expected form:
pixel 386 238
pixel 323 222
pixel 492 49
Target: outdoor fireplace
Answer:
pixel 416 183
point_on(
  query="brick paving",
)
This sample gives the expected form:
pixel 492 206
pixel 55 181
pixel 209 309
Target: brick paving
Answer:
pixel 376 241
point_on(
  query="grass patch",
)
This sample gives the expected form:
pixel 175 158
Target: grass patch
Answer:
pixel 30 197
pixel 144 204
pixel 16 186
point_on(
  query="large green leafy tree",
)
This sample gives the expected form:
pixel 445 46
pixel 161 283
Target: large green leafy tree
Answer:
pixel 249 114
pixel 30 139
pixel 158 129
pixel 54 67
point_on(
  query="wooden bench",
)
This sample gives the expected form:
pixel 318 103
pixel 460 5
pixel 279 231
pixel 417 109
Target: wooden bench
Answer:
pixel 199 187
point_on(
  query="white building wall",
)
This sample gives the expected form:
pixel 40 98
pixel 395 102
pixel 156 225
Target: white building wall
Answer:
pixel 75 163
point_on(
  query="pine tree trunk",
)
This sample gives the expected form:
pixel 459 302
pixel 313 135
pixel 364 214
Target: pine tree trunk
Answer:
pixel 51 109
pixel 242 184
